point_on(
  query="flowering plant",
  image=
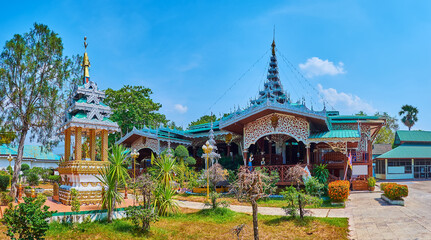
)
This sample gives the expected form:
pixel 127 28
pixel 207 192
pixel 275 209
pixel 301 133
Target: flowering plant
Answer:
pixel 338 190
pixel 396 191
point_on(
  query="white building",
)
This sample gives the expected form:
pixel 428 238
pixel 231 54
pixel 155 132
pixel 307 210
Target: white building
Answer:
pixel 34 156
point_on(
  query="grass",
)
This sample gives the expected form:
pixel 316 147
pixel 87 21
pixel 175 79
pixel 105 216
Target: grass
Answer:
pixel 272 202
pixel 205 224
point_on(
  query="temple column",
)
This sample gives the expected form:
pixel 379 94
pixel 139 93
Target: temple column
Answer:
pixel 78 143
pixel 93 144
pixel 67 144
pixel 307 148
pixel 369 159
pixel 283 152
pixel 270 151
pixel 245 153
pixel 104 152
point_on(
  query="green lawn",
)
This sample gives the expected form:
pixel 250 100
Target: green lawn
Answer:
pixel 206 224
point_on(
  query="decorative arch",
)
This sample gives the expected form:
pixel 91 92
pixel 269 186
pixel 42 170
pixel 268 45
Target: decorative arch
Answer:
pixel 145 142
pixel 292 126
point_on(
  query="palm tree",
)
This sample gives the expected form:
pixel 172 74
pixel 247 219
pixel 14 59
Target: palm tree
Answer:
pixel 115 173
pixel 410 115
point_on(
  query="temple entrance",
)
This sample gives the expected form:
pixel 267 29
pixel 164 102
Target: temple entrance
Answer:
pixel 278 149
pixel 144 159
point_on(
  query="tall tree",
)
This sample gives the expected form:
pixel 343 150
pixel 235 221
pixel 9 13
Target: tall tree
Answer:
pixel 387 133
pixel 204 119
pixel 33 75
pixel 132 106
pixel 410 115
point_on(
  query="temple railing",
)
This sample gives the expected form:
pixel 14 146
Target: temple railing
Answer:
pixel 82 167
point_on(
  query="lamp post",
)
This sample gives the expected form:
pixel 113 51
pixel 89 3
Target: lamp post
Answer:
pixel 10 158
pixel 134 155
pixel 207 150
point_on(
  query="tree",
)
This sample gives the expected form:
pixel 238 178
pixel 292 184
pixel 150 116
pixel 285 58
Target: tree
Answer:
pixel 181 152
pixel 249 187
pixel 387 132
pixel 410 115
pixel 33 75
pixel 132 106
pixel 164 166
pixel 204 119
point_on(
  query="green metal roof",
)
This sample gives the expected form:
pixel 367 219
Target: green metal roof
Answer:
pixel 412 136
pixel 409 151
pixel 30 151
pixel 336 134
pixel 5 150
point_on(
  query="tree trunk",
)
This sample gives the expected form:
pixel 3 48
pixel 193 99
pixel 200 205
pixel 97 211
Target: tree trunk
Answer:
pixel 255 226
pixel 301 210
pixel 17 166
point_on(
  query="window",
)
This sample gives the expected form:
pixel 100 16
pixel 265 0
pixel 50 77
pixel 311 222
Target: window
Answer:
pixel 406 163
pixel 380 167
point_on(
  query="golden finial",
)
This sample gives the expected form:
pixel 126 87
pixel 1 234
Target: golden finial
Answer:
pixel 86 62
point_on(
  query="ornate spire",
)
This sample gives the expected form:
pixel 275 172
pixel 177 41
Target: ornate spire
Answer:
pixel 86 63
pixel 273 90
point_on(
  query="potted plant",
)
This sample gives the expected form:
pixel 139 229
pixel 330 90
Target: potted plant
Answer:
pixel 27 191
pixel 371 183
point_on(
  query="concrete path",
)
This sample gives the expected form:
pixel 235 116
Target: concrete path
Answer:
pixel 269 210
pixel 373 218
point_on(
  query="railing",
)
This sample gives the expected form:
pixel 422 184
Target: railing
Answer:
pixel 82 167
pixel 281 170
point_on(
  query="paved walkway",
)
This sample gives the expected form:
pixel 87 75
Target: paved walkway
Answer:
pixel 369 216
pixel 268 210
pixel 373 218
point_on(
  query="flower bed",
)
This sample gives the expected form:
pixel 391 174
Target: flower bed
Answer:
pixel 338 190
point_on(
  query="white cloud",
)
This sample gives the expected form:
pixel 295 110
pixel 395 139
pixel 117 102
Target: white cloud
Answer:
pixel 180 108
pixel 345 102
pixel 317 67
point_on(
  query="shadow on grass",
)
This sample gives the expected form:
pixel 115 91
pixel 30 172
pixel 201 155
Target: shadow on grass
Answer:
pixel 296 220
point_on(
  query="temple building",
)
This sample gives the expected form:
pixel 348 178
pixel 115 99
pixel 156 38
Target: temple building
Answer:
pixel 86 117
pixel 275 132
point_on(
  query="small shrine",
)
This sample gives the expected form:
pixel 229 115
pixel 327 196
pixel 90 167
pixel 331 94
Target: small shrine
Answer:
pixel 86 117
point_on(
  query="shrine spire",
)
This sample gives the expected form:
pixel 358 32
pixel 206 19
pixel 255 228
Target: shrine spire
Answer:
pixel 273 89
pixel 86 63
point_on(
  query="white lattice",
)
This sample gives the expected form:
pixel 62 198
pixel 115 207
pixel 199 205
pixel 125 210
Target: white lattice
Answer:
pixel 295 127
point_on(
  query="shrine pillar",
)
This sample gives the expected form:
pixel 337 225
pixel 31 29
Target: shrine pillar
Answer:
pixel 307 147
pixel 93 144
pixel 78 143
pixel 104 152
pixel 370 159
pixel 67 145
pixel 245 153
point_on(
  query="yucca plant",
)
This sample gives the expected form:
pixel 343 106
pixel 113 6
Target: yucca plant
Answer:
pixel 164 166
pixel 114 174
pixel 163 200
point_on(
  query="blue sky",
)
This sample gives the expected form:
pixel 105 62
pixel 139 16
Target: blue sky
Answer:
pixel 358 55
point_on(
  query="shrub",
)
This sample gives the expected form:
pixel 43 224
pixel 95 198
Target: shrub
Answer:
pixel 33 179
pixel 190 161
pixel 297 200
pixel 339 190
pixel 214 203
pixel 54 178
pixel 313 187
pixel 24 167
pixel 383 186
pixel 28 220
pixel 9 170
pixel 181 152
pixel 4 182
pixel 5 199
pixel 164 201
pixel 141 217
pixel 396 191
pixel 371 182
pixel 76 205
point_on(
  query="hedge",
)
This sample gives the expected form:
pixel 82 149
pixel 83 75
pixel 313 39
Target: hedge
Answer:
pixel 4 182
pixel 396 191
pixel 338 190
